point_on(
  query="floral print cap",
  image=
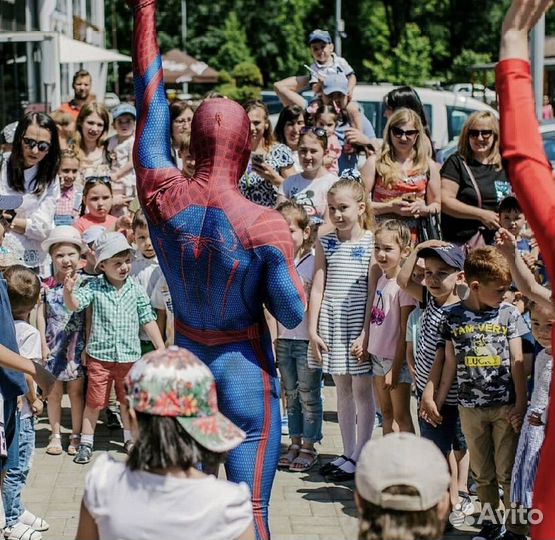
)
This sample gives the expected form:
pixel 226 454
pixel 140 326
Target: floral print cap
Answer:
pixel 174 382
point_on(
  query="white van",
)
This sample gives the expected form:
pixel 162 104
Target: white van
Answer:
pixel 446 111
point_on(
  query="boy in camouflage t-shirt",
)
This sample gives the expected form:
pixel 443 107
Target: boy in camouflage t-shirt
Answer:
pixel 484 349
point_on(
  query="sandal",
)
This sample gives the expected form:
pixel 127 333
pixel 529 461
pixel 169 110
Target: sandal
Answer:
pixel 288 458
pixel 54 447
pixel 303 463
pixel 73 446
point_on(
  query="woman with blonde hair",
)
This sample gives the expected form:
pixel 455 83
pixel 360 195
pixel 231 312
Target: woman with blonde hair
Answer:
pixel 473 183
pixel 402 180
pixel 91 127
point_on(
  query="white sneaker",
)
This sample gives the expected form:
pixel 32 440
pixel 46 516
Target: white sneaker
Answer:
pixel 35 522
pixel 20 531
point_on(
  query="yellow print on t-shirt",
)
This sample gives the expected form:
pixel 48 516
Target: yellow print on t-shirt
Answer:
pixel 484 328
pixel 482 361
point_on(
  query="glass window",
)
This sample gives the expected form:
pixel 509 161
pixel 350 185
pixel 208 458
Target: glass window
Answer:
pixel 456 117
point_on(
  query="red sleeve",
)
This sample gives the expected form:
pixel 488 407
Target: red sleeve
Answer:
pixel 522 149
pixel 533 184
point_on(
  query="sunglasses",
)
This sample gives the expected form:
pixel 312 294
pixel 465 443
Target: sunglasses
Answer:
pixel 475 133
pixel 94 179
pixel 319 132
pixel 43 146
pixel 399 133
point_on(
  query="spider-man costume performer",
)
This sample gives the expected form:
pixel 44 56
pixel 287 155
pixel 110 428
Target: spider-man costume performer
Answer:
pixel 532 180
pixel 222 256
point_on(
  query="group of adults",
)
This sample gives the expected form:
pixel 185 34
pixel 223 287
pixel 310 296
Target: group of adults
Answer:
pixel 466 189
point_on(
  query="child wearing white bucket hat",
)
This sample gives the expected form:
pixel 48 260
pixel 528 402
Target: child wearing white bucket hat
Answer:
pixel 62 335
pixel 177 424
pixel 120 308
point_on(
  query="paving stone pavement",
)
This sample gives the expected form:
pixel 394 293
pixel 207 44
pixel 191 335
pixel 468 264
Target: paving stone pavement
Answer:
pixel 303 506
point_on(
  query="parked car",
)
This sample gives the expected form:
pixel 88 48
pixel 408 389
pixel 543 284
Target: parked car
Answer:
pixel 478 91
pixel 446 111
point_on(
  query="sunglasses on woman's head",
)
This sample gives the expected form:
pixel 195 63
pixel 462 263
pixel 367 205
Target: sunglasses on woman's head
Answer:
pixel 43 146
pixel 485 133
pixel 398 132
pixel 319 132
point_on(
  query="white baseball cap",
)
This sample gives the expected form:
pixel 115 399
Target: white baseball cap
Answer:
pixel 64 234
pixel 402 459
pixel 110 244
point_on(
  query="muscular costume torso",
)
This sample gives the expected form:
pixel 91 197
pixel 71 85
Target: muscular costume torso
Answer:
pixel 223 258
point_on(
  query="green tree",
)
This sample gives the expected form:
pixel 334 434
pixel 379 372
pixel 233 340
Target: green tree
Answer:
pixel 410 61
pixel 461 68
pixel 234 48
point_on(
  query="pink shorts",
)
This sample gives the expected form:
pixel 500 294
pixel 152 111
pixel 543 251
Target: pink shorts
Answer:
pixel 100 377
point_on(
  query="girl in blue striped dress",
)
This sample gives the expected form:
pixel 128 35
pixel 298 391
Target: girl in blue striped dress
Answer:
pixel 533 428
pixel 336 318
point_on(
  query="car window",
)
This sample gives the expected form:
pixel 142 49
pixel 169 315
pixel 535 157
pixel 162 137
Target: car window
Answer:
pixel 549 145
pixel 374 110
pixel 456 117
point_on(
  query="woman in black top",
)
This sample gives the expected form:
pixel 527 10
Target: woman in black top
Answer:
pixel 464 211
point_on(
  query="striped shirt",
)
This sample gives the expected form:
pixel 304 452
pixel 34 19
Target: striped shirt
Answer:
pixel 117 316
pixel 430 339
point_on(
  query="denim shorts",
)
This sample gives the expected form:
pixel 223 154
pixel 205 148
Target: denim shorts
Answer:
pixel 382 366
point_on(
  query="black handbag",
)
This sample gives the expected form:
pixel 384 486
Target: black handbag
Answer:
pixel 429 227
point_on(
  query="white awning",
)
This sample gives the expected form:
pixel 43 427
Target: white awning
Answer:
pixel 75 52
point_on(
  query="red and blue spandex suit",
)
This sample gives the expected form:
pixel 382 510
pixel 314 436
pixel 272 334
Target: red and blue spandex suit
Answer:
pixel 223 258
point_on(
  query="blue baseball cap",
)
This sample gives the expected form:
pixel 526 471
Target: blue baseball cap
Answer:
pixel 451 254
pixel 319 35
pixel 124 108
pixel 336 82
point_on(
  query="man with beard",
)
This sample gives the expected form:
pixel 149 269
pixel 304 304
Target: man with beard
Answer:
pixel 82 83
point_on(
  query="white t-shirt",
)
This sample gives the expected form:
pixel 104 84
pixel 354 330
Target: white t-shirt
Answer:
pixel 28 343
pixel 138 505
pixel 146 272
pixel 305 268
pixel 122 152
pixel 312 194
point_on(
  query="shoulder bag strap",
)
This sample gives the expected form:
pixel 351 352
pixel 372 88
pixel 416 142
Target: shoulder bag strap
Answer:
pixel 474 183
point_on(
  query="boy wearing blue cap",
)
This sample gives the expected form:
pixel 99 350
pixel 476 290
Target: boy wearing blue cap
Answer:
pixel 440 421
pixel 326 62
pixel 332 78
pixel 120 149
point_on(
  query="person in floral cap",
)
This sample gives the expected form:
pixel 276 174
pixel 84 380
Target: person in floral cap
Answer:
pixel 159 492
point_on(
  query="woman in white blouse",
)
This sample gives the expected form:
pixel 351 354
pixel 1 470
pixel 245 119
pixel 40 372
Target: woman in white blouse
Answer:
pixel 30 170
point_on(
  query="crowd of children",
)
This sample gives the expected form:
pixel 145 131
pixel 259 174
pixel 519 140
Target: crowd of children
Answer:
pixel 466 332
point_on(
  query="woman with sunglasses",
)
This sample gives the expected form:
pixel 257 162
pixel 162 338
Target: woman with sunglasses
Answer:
pixel 271 162
pixel 30 170
pixel 402 180
pixel 473 183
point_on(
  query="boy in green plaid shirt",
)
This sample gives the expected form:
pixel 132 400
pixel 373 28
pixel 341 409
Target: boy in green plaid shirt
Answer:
pixel 120 308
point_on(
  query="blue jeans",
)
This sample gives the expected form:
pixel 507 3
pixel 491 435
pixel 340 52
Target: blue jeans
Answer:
pixel 16 476
pixel 302 390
